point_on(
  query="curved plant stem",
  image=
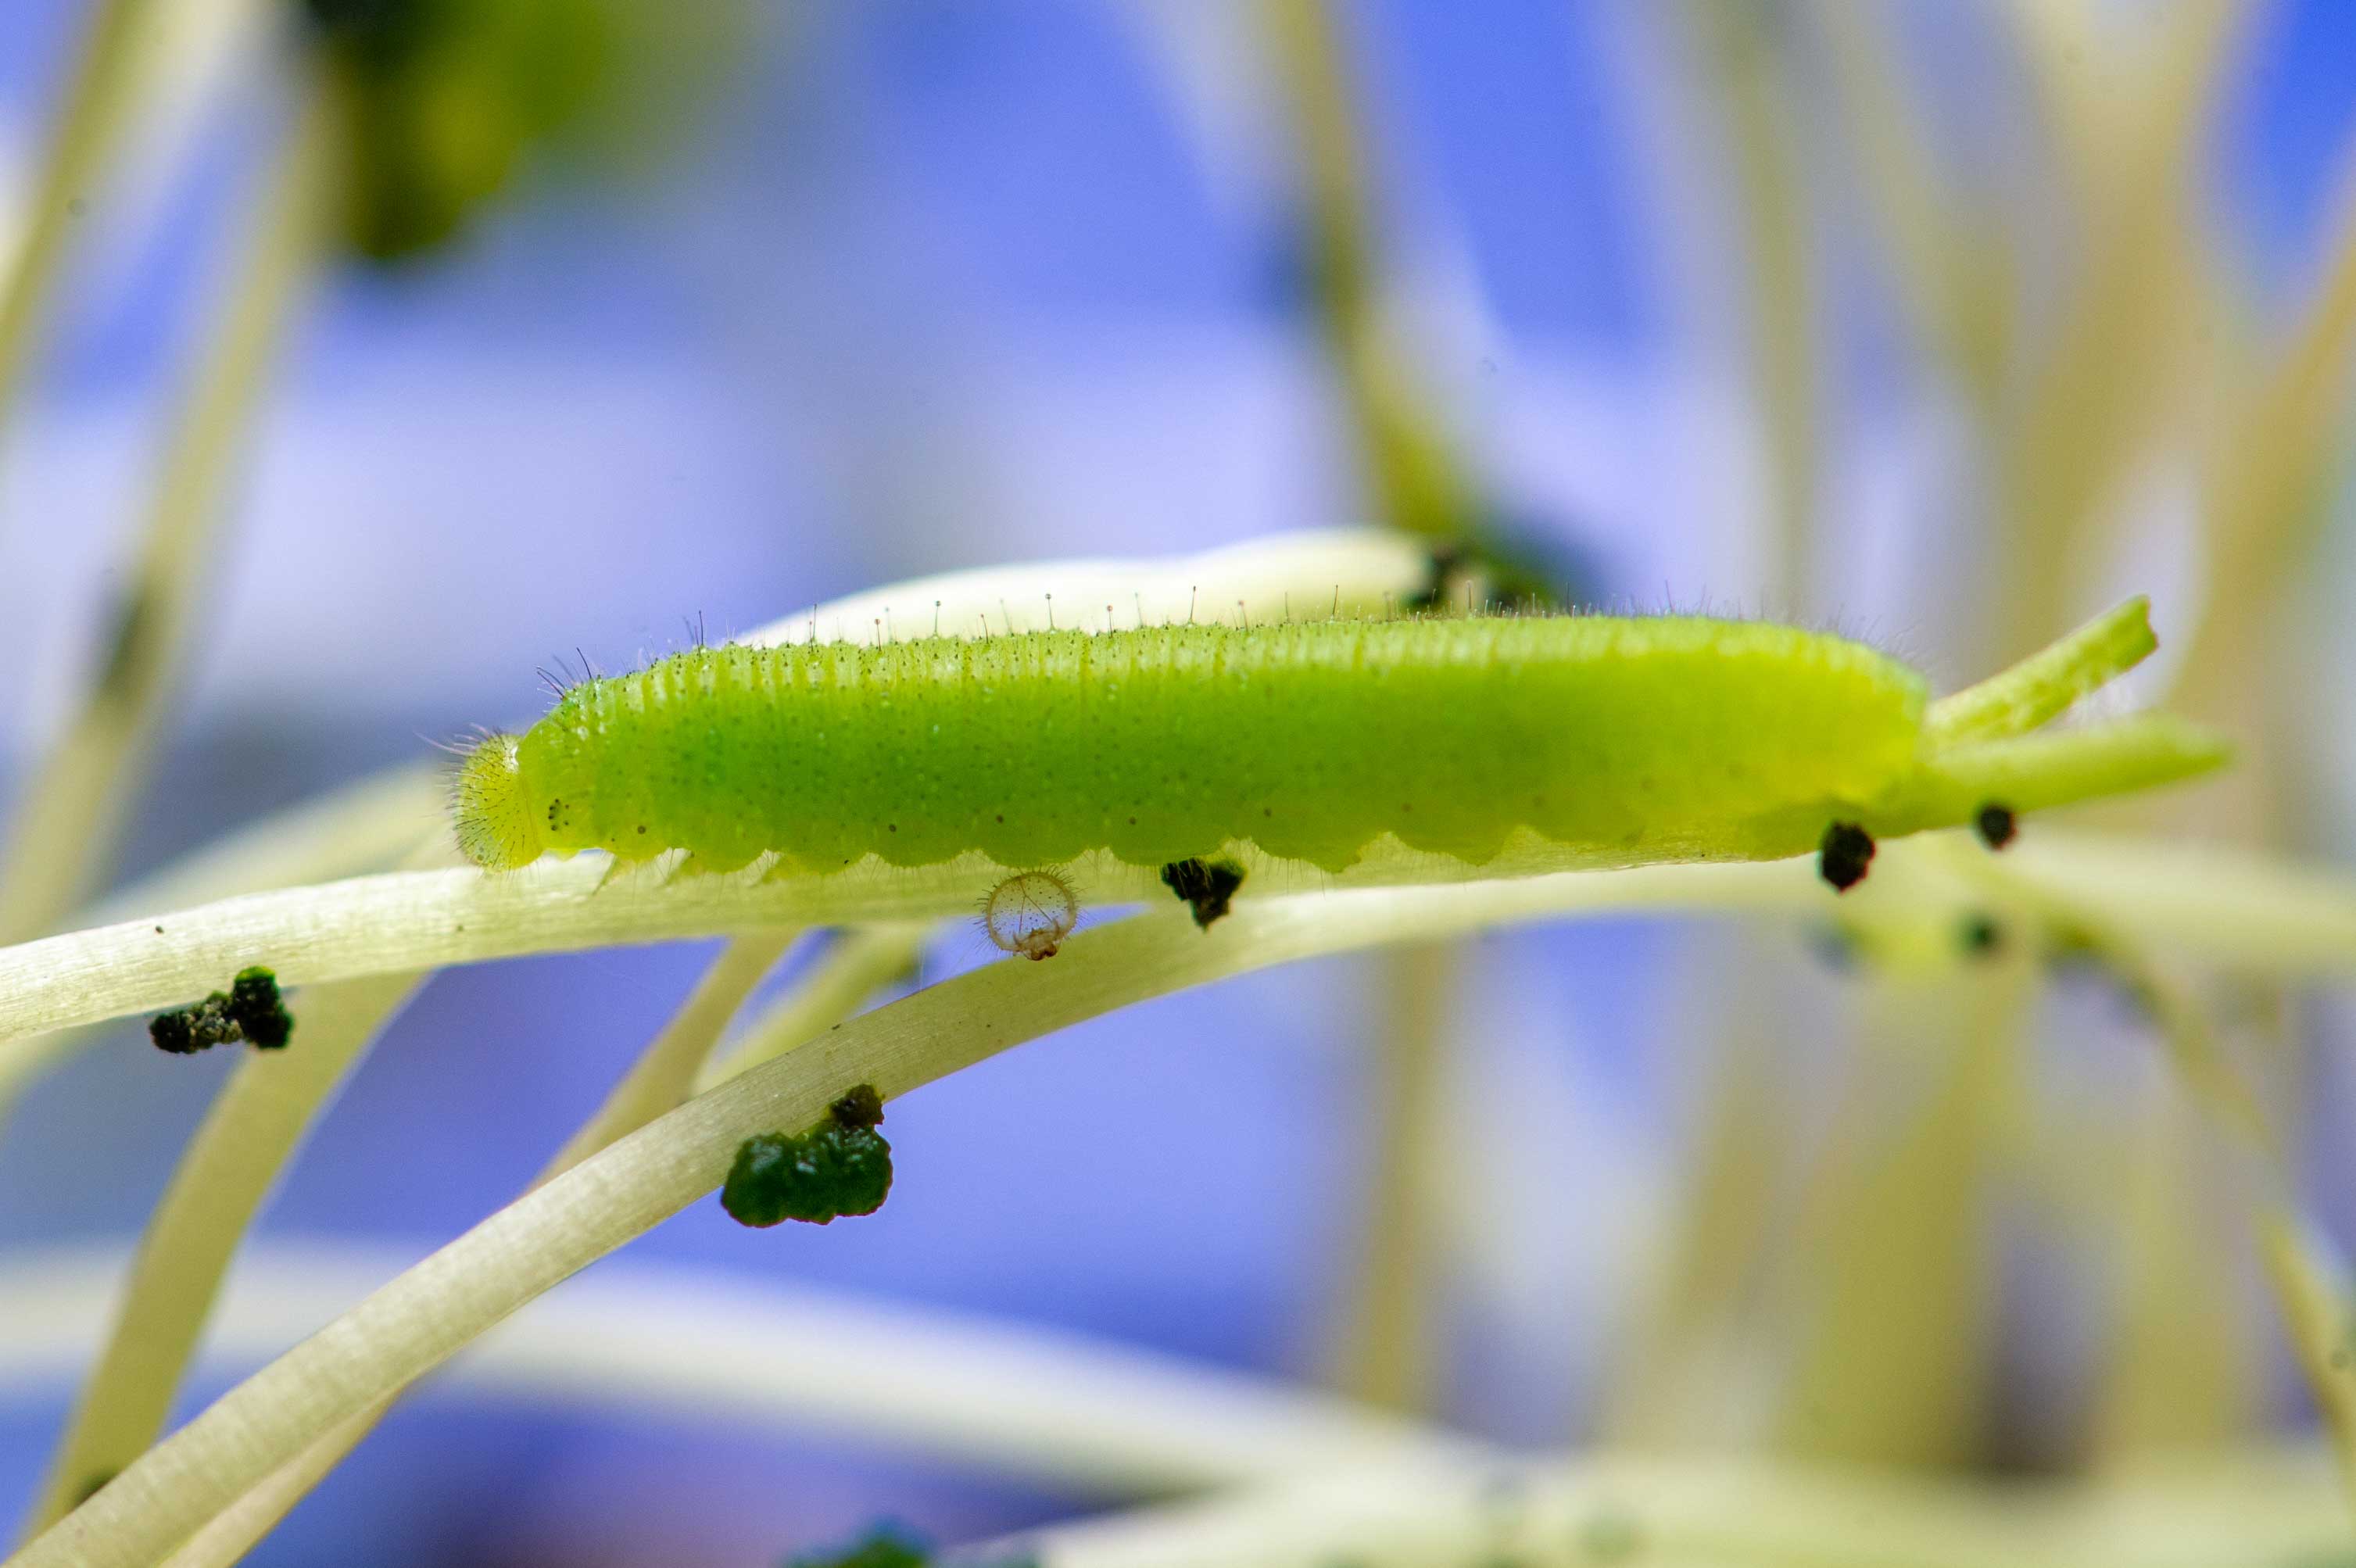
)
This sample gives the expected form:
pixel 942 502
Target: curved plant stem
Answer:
pixel 860 964
pixel 720 1345
pixel 2310 1289
pixel 1415 474
pixel 665 1073
pixel 99 104
pixel 656 1083
pixel 429 920
pixel 1586 1511
pixel 227 1169
pixel 659 1081
pixel 370 825
pixel 1737 48
pixel 418 1320
pixel 1390 1352
pixel 66 825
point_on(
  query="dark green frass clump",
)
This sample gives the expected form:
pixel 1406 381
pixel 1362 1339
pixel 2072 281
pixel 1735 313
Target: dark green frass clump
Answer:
pixel 843 1167
pixel 251 1009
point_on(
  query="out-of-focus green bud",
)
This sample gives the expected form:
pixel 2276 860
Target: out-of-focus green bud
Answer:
pixel 442 103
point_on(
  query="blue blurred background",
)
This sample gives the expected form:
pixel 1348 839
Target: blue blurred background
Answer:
pixel 924 284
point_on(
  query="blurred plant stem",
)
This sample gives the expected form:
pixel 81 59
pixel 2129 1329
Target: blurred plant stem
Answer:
pixel 1892 1275
pixel 418 1320
pixel 66 823
pixel 2239 1511
pixel 247 1139
pixel 2128 348
pixel 1388 1346
pixel 1738 44
pixel 99 104
pixel 1685 1370
pixel 657 1082
pixel 370 825
pixel 1415 477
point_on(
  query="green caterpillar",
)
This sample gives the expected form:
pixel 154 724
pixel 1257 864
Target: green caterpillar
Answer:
pixel 1631 739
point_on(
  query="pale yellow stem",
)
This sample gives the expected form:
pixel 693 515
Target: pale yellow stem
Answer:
pixel 66 823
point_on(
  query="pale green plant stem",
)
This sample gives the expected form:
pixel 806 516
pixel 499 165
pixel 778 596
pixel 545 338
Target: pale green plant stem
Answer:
pixel 222 1179
pixel 860 963
pixel 1952 256
pixel 1416 476
pixel 431 920
pixel 2126 348
pixel 65 827
pixel 2310 1292
pixel 2043 686
pixel 657 1082
pixel 379 822
pixel 1590 1512
pixel 370 824
pixel 1389 1348
pixel 1736 48
pixel 99 106
pixel 418 1320
pixel 665 1073
pixel 636 1338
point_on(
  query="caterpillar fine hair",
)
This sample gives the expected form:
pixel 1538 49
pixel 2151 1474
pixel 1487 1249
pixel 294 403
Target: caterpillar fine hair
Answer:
pixel 1630 739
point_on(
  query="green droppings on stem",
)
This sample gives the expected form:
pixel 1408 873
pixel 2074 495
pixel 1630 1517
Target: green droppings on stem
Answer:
pixel 258 1010
pixel 2043 685
pixel 840 1167
pixel 251 1009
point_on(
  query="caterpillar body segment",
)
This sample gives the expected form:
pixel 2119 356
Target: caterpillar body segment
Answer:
pixel 1630 739
pixel 1664 737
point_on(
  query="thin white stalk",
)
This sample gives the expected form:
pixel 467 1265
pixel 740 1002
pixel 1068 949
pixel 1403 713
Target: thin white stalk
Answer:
pixel 2249 1511
pixel 221 1180
pixel 431 920
pixel 1390 1350
pixel 665 1073
pixel 100 104
pixel 379 822
pixel 860 964
pixel 65 827
pixel 372 823
pixel 656 1083
pixel 642 1336
pixel 420 1319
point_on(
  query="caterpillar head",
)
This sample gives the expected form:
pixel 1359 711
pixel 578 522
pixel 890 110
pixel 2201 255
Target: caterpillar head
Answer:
pixel 497 828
